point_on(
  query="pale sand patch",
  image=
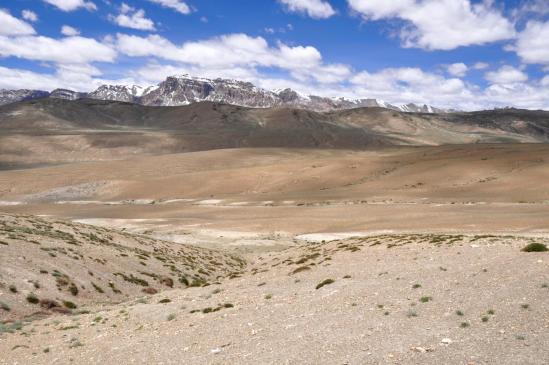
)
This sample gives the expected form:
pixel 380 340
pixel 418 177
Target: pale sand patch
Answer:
pixel 10 203
pixel 171 201
pixel 320 237
pixel 70 192
pixel 81 202
pixel 133 225
pixel 209 202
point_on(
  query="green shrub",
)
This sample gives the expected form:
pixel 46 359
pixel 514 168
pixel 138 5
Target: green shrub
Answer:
pixel 97 288
pixel 32 298
pixel 73 289
pixel 5 307
pixel 535 247
pixel 325 282
pixel 69 304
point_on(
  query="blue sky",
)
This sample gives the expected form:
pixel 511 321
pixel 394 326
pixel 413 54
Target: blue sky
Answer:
pixel 464 54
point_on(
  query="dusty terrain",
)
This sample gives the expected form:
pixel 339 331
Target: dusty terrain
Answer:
pixel 52 131
pixel 395 299
pixel 123 243
pixel 273 195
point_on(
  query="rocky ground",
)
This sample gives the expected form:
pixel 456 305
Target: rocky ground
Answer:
pixel 270 256
pixel 394 299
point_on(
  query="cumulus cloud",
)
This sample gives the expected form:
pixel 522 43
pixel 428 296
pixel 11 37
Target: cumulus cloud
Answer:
pixel 69 31
pixel 457 69
pixel 519 94
pixel 232 50
pixel 75 79
pixel 506 75
pixel 29 15
pixel 481 66
pixel 130 17
pixel 403 85
pixel 71 50
pixel 440 24
pixel 12 25
pixel 71 5
pixel 177 5
pixel 532 45
pixel 318 9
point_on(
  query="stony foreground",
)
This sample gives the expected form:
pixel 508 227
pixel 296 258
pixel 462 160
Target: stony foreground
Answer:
pixel 394 299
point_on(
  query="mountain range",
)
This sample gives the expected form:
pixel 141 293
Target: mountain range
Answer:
pixel 53 130
pixel 185 89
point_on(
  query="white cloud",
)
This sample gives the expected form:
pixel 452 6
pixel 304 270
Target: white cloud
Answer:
pixel 29 15
pixel 318 9
pixel 404 85
pixel 440 24
pixel 71 5
pixel 530 7
pixel 76 79
pixel 532 44
pixel 379 9
pixel 481 66
pixel 71 50
pixel 130 17
pixel 223 51
pixel 520 95
pixel 506 75
pixel 69 31
pixel 13 26
pixel 177 5
pixel 457 69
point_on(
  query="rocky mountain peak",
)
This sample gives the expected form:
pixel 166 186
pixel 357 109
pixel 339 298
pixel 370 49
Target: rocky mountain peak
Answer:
pixel 185 89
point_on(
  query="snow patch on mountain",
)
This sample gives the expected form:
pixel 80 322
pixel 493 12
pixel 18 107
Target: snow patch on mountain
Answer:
pixel 185 89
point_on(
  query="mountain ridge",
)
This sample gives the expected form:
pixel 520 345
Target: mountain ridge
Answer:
pixel 185 89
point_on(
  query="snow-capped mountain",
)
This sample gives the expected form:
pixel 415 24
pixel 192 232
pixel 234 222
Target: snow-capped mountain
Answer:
pixel 185 89
pixel 125 93
pixel 12 96
pixel 182 90
pixel 67 94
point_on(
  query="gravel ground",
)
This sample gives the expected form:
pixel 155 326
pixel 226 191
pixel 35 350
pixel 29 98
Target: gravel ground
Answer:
pixel 394 300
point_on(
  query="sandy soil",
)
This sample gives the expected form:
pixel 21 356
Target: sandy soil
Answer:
pixel 423 244
pixel 394 300
pixel 286 192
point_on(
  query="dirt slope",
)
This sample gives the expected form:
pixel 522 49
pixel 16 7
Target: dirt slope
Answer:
pixel 50 131
pixel 394 299
pixel 49 264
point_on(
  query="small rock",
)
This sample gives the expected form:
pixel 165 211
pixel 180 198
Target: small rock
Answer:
pixel 217 350
pixel 446 341
pixel 421 349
